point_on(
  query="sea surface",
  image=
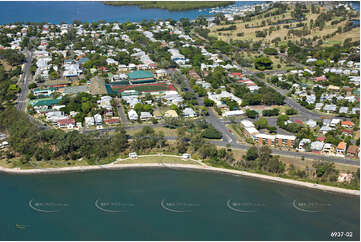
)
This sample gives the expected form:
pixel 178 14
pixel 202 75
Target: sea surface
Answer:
pixel 58 12
pixel 169 204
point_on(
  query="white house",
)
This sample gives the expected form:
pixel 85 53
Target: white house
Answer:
pixel 132 115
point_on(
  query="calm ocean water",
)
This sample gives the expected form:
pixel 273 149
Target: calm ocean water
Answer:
pixel 167 204
pixel 57 12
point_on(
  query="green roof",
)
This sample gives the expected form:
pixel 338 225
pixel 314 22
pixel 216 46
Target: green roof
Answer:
pixel 44 89
pixel 44 102
pixel 140 74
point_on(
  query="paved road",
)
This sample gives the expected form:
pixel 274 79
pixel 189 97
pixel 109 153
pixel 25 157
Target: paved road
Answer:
pixel 25 83
pixel 304 112
pixel 285 152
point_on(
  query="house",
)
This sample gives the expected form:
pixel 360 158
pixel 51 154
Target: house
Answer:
pixel 132 115
pixel 112 121
pixel 311 123
pixel 66 123
pixel 328 148
pixel 334 122
pixel 54 116
pixel 89 121
pixel 44 91
pixel 347 132
pixel 217 98
pixel 144 116
pixel 302 144
pixel 352 151
pixel 343 110
pixel 317 146
pixel 189 113
pixel 329 108
pixel 4 144
pixel 98 119
pixel 318 106
pixel 232 113
pixel 341 148
pixel 325 128
pixel 171 114
pixel 347 124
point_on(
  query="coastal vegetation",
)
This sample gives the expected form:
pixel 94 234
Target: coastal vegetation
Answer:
pixel 172 5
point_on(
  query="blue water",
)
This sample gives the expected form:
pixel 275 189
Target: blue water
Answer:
pixel 57 12
pixel 356 5
pixel 168 204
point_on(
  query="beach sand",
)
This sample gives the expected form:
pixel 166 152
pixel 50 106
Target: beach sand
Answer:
pixel 200 167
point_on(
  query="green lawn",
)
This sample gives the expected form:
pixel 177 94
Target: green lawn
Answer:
pixel 157 159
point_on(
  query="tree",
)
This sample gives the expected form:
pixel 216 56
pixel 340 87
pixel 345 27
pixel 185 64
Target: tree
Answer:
pixel 252 153
pixel 263 63
pixel 251 113
pixel 261 123
pixel 211 133
pixel 208 102
pixel 291 111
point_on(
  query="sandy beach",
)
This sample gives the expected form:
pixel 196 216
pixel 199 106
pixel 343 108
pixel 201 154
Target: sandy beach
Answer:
pixel 200 167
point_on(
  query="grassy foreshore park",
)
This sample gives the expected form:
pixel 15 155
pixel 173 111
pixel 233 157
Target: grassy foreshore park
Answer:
pixel 172 6
pixel 170 162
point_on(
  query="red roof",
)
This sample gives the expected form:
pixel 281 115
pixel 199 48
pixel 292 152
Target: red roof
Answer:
pixel 237 74
pixel 347 123
pixel 112 120
pixel 299 122
pixel 341 145
pixel 320 78
pixel 251 84
pixel 347 131
pixel 66 121
pixel 352 149
pixel 321 138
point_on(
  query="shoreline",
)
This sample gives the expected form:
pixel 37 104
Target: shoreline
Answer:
pixel 182 166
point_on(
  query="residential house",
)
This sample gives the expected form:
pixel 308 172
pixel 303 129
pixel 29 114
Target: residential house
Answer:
pixel 302 144
pixel 171 114
pixel 66 123
pixel 341 148
pixel 232 113
pixel 112 121
pixel 145 116
pixel 328 148
pixel 98 119
pixel 347 124
pixel 330 108
pixel 317 146
pixel 352 151
pixel 189 113
pixel 311 123
pixel 132 115
pixel 89 121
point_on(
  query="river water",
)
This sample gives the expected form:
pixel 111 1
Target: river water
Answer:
pixel 57 12
pixel 168 204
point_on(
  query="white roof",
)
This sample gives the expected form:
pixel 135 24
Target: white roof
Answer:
pixel 247 124
pixel 252 131
pixel 266 136
pixel 288 137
